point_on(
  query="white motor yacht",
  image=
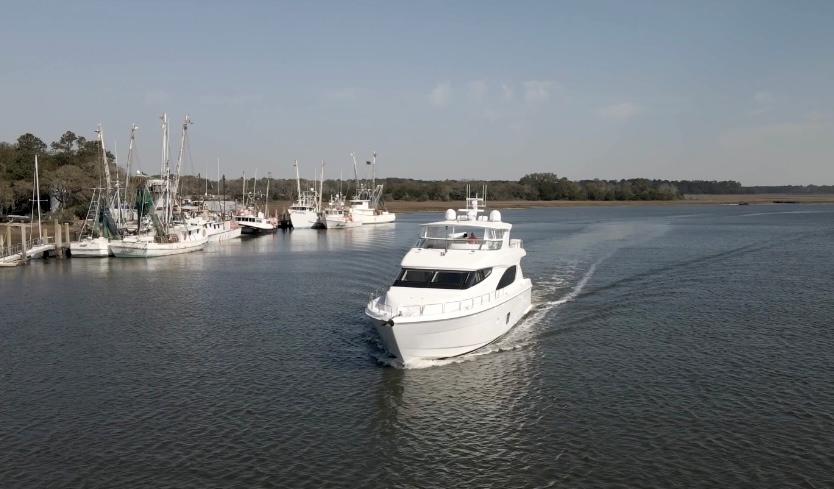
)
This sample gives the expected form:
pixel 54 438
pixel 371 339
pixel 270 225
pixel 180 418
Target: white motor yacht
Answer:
pixel 460 288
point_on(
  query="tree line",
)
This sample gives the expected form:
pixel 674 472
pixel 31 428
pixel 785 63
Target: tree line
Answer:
pixel 71 167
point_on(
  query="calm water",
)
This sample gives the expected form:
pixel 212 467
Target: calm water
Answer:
pixel 669 347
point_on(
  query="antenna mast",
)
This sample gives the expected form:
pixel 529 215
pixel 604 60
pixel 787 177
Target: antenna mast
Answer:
pixel 297 178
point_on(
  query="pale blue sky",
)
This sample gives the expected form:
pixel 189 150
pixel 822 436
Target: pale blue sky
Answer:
pixel 712 90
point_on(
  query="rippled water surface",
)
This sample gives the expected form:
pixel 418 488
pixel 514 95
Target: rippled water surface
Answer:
pixel 668 347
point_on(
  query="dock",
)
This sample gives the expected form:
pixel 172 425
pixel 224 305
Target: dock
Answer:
pixel 20 251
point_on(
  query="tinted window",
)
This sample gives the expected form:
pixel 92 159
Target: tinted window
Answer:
pixel 440 279
pixel 414 278
pixel 507 278
pixel 449 280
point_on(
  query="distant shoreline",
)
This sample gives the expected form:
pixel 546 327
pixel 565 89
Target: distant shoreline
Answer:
pixel 404 206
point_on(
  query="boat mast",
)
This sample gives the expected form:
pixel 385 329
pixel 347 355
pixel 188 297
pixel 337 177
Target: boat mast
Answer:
pixel 321 184
pixel 355 174
pixel 297 179
pixel 130 148
pixel 166 171
pixel 266 198
pixel 187 122
pixel 37 194
pixel 117 195
pixel 100 133
pixel 254 186
pixel 373 171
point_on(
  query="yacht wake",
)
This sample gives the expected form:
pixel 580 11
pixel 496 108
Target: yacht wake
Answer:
pixel 524 333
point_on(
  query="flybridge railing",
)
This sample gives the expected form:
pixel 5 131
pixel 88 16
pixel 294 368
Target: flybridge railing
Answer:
pixel 375 304
pixel 460 243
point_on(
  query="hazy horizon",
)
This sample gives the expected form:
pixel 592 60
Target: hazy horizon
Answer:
pixel 476 90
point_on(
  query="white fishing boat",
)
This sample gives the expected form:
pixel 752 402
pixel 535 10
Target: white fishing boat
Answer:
pixel 305 211
pixel 460 288
pixel 217 229
pixel 337 214
pixel 367 204
pixel 99 226
pixel 90 247
pixel 222 230
pixel 250 219
pixel 255 222
pixel 179 239
pixel 171 237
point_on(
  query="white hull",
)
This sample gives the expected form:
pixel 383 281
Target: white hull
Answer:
pixel 90 248
pixel 256 227
pixel 303 219
pixel 370 217
pixel 145 249
pixel 447 337
pixel 224 235
pixel 341 223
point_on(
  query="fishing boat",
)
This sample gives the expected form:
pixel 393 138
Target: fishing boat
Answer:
pixel 170 237
pixel 367 204
pixel 179 239
pixel 99 226
pixel 460 288
pixel 305 211
pixel 337 214
pixel 250 219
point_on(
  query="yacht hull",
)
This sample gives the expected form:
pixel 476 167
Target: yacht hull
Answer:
pixel 144 249
pixel 444 338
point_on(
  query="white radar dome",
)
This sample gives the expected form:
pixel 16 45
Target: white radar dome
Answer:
pixel 451 214
pixel 495 216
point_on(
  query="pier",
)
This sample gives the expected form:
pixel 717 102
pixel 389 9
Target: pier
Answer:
pixel 26 246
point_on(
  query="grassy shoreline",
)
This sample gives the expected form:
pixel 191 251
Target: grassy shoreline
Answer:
pixel 763 199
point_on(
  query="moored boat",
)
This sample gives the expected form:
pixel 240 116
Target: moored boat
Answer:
pixel 305 211
pixel 180 239
pixel 367 204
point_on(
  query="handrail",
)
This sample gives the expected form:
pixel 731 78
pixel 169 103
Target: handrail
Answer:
pixel 435 308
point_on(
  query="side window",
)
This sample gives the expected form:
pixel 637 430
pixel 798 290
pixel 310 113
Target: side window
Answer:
pixel 507 278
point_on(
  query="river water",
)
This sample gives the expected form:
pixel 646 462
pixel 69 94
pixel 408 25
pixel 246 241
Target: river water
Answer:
pixel 680 346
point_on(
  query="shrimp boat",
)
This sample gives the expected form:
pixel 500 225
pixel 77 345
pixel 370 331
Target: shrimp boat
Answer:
pixel 179 239
pixel 367 205
pixel 170 237
pixel 94 239
pixel 305 211
pixel 252 220
pixel 337 214
pixel 460 288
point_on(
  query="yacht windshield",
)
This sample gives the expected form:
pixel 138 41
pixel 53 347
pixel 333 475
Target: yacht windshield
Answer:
pixel 440 279
pixel 461 237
